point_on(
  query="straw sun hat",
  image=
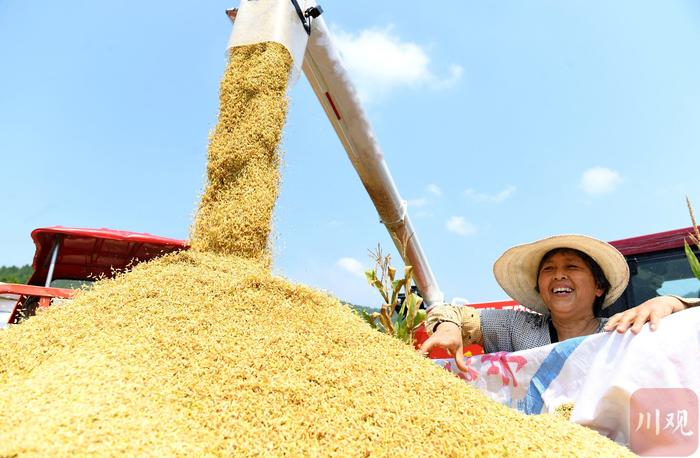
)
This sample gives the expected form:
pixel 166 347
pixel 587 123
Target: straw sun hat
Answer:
pixel 516 269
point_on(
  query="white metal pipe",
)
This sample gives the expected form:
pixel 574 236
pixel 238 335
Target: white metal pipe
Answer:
pixel 324 70
pixel 52 265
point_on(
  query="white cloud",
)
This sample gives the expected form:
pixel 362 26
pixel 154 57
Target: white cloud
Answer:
pixel 352 265
pixel 422 214
pixel 417 203
pixel 459 225
pixel 456 72
pixel 421 202
pixel 490 198
pixel 434 189
pixel 378 62
pixel 599 180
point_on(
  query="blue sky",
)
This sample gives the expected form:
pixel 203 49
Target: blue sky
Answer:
pixel 502 122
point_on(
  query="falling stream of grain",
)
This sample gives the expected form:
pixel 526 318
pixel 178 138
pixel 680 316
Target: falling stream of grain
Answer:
pixel 206 353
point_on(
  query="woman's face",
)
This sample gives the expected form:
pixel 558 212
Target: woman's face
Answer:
pixel 567 285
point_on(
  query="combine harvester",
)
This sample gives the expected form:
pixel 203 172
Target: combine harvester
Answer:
pixel 608 369
pixel 515 379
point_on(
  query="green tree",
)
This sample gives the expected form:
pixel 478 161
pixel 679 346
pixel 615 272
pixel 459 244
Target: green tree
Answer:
pixel 14 274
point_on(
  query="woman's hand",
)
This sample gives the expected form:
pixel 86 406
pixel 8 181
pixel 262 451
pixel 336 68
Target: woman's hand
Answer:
pixel 448 336
pixel 650 311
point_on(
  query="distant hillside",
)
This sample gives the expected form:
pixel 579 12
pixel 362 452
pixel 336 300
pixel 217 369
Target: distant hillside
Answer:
pixel 360 307
pixel 14 274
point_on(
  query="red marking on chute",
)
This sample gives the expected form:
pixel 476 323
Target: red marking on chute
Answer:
pixel 335 110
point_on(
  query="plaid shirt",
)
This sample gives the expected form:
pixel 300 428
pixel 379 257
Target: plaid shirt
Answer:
pixel 515 330
pixel 497 330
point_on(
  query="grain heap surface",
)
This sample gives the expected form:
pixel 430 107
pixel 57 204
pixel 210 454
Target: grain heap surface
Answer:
pixel 203 353
pixel 198 353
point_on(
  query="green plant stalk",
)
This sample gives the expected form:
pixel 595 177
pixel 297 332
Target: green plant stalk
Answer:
pixel 695 238
pixel 692 260
pixel 403 324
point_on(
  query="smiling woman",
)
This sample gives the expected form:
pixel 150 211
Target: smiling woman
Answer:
pixel 572 284
pixel 566 279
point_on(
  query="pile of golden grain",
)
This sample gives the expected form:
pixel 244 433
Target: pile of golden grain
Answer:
pixel 206 353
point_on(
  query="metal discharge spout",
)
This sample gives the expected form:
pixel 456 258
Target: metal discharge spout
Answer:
pixel 306 35
pixel 324 70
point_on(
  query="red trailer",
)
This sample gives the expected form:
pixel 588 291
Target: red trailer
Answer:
pixel 67 258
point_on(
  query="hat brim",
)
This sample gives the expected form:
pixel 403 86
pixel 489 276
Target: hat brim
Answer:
pixel 516 269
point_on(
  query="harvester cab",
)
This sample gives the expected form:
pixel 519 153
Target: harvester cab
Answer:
pixel 68 258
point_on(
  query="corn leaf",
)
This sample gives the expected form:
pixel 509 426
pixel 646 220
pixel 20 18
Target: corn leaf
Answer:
pixel 420 317
pixel 402 331
pixel 396 286
pixel 371 276
pixel 692 260
pixel 370 318
pixel 419 301
pixel 402 309
pixel 410 310
pixel 414 302
pixel 385 318
pixel 407 274
pixel 380 287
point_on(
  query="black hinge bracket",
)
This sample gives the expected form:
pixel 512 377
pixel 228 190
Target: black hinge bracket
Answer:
pixel 307 16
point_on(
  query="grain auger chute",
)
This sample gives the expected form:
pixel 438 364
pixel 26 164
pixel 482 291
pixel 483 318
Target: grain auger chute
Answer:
pixel 299 26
